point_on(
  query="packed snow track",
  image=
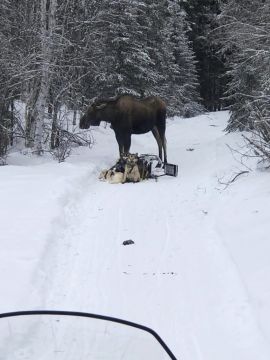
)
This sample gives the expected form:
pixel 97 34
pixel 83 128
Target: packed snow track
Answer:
pixel 194 273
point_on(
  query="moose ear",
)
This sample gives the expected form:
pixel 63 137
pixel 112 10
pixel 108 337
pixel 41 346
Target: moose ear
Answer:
pixel 101 106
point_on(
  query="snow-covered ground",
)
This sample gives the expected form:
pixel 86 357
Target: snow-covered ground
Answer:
pixel 199 271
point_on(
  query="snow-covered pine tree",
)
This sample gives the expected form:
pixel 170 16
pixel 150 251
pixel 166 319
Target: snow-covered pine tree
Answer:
pixel 182 84
pixel 153 22
pixel 142 48
pixel 202 21
pixel 245 27
pixel 121 50
pixel 246 34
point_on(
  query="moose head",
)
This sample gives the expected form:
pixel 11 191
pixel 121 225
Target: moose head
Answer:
pixel 93 115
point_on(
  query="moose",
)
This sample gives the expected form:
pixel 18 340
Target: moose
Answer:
pixel 130 115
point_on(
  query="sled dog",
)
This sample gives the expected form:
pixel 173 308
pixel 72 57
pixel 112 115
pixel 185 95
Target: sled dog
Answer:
pixel 125 170
pixel 131 173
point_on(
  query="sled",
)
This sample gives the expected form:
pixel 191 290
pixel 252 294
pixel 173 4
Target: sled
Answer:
pixel 135 168
pixel 157 168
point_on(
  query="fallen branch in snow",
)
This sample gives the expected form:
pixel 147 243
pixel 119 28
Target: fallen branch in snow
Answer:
pixel 233 179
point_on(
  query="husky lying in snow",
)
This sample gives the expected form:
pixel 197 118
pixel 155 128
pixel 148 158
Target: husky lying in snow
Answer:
pixel 112 176
pixel 131 173
pixel 125 170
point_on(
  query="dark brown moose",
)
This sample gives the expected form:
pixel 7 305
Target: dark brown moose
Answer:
pixel 130 115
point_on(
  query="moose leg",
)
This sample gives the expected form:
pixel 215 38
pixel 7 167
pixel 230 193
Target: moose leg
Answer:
pixel 164 144
pixel 161 132
pixel 124 142
pixel 121 149
pixel 155 132
pixel 161 127
pixel 120 141
pixel 127 142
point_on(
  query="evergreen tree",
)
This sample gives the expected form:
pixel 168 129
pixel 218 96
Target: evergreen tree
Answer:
pixel 246 36
pixel 202 19
pixel 182 84
pixel 121 49
pixel 143 49
pixel 153 21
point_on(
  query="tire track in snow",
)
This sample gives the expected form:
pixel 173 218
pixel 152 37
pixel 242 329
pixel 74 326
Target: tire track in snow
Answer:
pixel 233 313
pixel 71 285
pixel 203 260
pixel 57 254
pixel 203 312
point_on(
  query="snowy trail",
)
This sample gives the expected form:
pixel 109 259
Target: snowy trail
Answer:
pixel 197 273
pixel 179 277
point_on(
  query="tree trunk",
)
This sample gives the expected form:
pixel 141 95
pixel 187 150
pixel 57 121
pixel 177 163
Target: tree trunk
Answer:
pixel 30 118
pixel 54 133
pixel 74 118
pixel 36 111
pixel 48 12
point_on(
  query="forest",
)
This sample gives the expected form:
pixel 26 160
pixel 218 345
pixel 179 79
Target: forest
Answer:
pixel 198 55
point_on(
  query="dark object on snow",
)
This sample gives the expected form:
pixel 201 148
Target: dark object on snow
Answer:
pixel 171 169
pixel 130 115
pixel 128 242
